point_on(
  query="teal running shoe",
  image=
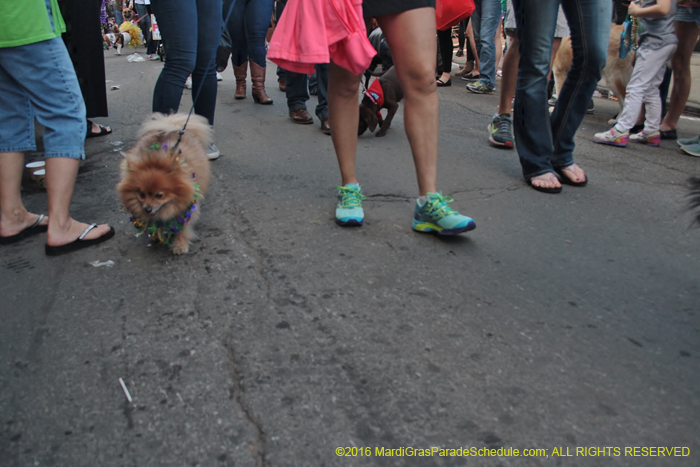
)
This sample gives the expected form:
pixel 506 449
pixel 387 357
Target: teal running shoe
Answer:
pixel 436 216
pixel 349 212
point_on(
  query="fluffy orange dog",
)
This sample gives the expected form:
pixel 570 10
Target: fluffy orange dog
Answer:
pixel 162 182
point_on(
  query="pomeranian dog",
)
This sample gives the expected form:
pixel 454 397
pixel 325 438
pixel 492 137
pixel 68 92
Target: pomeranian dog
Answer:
pixel 163 181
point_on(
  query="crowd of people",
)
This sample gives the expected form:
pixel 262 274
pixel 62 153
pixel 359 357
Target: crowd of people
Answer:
pixel 36 42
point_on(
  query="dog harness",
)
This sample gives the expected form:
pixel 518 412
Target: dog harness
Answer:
pixel 376 93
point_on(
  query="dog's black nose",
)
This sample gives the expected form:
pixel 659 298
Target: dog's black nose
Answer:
pixel 148 209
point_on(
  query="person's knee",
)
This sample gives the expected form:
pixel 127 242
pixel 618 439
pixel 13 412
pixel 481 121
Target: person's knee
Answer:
pixel 344 89
pixel 680 63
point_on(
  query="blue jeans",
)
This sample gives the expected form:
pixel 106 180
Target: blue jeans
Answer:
pixel 485 21
pixel 118 17
pixel 145 25
pixel 545 142
pixel 38 80
pixel 322 79
pixel 190 30
pixel 248 27
pixel 298 89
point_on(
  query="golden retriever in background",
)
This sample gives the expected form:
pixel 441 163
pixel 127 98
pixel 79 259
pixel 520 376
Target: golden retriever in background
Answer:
pixel 617 71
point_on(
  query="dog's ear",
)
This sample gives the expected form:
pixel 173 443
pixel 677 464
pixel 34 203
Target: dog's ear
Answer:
pixel 362 127
pixel 369 118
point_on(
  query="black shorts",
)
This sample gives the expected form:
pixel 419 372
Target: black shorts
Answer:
pixel 373 8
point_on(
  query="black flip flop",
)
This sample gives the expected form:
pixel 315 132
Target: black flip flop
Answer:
pixel 442 84
pixel 79 243
pixel 567 181
pixel 33 229
pixel 544 189
pixel 103 131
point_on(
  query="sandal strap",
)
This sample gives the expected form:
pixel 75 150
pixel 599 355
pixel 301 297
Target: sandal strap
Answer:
pixel 38 221
pixel 86 231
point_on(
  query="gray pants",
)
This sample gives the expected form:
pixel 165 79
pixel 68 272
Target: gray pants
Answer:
pixel 643 88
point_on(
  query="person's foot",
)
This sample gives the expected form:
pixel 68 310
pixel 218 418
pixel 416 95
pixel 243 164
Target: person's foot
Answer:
pixel 219 76
pixel 691 149
pixel 435 216
pixel 612 137
pixel 547 183
pixel 688 141
pixel 479 88
pixel 325 127
pixel 59 236
pixel 213 152
pixel 460 53
pixel 572 175
pixel 651 139
pixel 95 129
pixel 188 82
pixel 468 68
pixel 301 116
pixel 153 57
pixel 282 84
pixel 444 80
pixel 14 226
pixel 591 107
pixel 668 134
pixel 471 77
pixel 501 131
pixel 349 211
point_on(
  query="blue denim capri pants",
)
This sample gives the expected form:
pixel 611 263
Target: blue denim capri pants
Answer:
pixel 38 81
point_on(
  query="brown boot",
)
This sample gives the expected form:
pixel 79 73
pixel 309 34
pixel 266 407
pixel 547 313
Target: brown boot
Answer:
pixel 241 74
pixel 257 76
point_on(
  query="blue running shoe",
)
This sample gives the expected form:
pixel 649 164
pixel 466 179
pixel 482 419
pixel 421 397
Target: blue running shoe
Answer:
pixel 436 216
pixel 349 212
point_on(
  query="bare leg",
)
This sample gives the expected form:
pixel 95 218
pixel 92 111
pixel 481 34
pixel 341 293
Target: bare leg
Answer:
pixel 497 39
pixel 13 216
pixel 472 46
pixel 411 37
pixel 343 117
pixel 680 63
pixel 555 48
pixel 509 80
pixel 61 173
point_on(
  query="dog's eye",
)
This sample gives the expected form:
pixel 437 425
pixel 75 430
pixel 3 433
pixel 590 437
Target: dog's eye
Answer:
pixel 142 195
pixel 158 196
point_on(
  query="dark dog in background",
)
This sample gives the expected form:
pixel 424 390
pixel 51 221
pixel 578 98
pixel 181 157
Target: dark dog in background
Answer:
pixel 384 93
pixel 383 57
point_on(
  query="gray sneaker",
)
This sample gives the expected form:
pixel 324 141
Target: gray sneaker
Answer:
pixel 688 141
pixel 213 152
pixel 479 88
pixel 501 131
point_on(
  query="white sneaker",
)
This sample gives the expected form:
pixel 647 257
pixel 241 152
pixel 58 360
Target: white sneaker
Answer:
pixel 612 137
pixel 213 152
pixel 188 82
pixel 153 57
pixel 219 77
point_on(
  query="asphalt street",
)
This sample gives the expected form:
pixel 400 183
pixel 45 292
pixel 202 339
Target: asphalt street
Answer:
pixel 565 323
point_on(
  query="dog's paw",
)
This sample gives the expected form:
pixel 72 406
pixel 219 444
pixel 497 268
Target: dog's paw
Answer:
pixel 181 245
pixel 180 249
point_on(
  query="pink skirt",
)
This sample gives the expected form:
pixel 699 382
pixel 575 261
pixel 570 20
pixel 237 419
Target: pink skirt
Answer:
pixel 320 31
